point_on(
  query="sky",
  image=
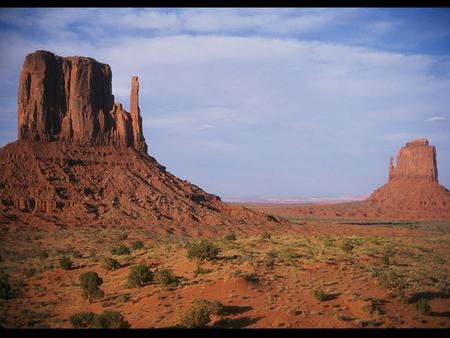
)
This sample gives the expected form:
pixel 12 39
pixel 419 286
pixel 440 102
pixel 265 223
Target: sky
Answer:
pixel 259 103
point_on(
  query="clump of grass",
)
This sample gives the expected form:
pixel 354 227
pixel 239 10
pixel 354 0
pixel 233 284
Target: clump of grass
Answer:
pixel 347 246
pixel 120 250
pixel 230 237
pixel 164 276
pixel 42 254
pixel 200 313
pixel 319 294
pixel 201 271
pixel 265 236
pixel 423 306
pixel 328 241
pixel 110 264
pixel 138 245
pixel 65 263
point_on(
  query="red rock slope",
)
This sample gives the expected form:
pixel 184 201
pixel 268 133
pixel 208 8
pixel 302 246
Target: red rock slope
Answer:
pixel 82 159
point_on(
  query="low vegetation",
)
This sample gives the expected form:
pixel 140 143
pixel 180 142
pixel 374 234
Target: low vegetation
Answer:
pixel 105 320
pixel 90 284
pixel 110 264
pixel 65 263
pixel 138 245
pixel 203 250
pixel 201 312
pixel 164 276
pixel 120 250
pixel 139 276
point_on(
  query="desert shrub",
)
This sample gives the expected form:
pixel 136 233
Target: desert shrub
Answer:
pixel 328 241
pixel 203 250
pixel 123 237
pixel 269 262
pixel 65 263
pixel 29 272
pixel 390 280
pixel 139 275
pixel 319 294
pixel 5 288
pixel 120 250
pixel 423 306
pixel 110 264
pixel 82 319
pixel 90 284
pixel 386 259
pixel 105 320
pixel 230 237
pixel 42 254
pixel 201 271
pixel 265 236
pixel 138 245
pixel 199 314
pixel 164 276
pixel 110 320
pixel 347 246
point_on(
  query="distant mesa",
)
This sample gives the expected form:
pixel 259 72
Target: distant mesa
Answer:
pixel 81 158
pixel 413 183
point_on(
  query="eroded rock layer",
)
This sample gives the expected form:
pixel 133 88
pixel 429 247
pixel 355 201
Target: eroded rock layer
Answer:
pixel 413 182
pixel 70 99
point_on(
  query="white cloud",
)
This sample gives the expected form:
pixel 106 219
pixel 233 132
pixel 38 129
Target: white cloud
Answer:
pixel 437 118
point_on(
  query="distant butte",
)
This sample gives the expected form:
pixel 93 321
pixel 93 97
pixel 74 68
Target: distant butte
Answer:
pixel 413 183
pixel 70 99
pixel 82 159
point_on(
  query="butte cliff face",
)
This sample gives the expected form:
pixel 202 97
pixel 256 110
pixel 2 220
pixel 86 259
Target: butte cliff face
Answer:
pixel 82 159
pixel 413 183
pixel 70 99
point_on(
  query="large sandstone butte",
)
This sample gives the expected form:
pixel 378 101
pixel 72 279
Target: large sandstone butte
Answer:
pixel 413 183
pixel 81 159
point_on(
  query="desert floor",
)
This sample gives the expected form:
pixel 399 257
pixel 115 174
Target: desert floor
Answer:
pixel 372 272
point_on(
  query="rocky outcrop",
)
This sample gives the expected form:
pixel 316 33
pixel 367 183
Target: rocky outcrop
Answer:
pixel 413 182
pixel 82 159
pixel 70 99
pixel 416 160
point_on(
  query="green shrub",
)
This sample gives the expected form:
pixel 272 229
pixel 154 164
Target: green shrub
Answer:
pixel 110 264
pixel 29 272
pixel 105 320
pixel 204 250
pixel 120 250
pixel 386 259
pixel 65 263
pixel 42 254
pixel 123 237
pixel 82 320
pixel 230 237
pixel 328 241
pixel 90 284
pixel 5 288
pixel 319 294
pixel 199 314
pixel 164 276
pixel 139 275
pixel 347 246
pixel 138 245
pixel 423 306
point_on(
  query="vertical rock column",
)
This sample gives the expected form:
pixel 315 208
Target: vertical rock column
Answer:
pixel 138 137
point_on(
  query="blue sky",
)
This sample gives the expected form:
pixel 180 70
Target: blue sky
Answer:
pixel 262 103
